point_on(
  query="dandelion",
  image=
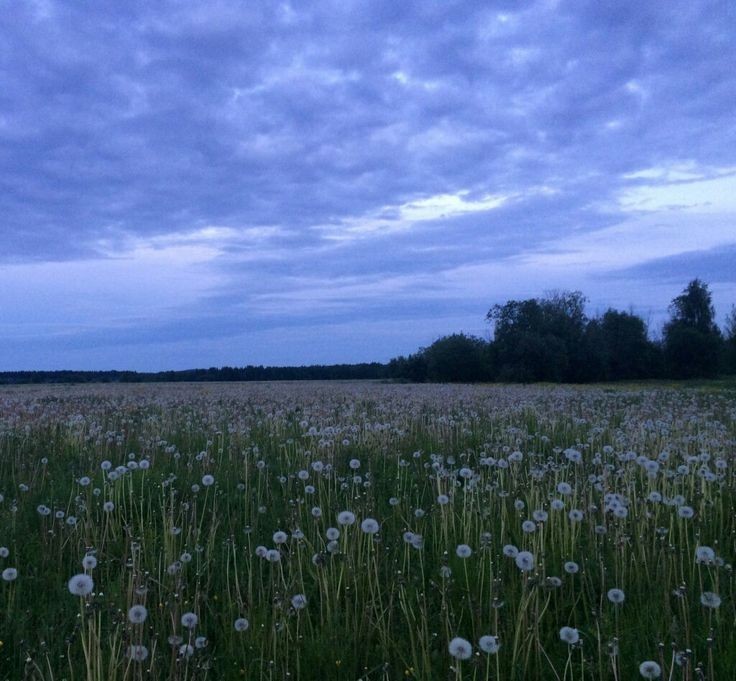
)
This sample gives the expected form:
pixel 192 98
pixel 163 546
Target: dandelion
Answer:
pixel 186 650
pixel 316 512
pixel 528 526
pixel 616 596
pixel 137 614
pixel 4 552
pixel 370 526
pixel 685 512
pixel 346 518
pixel 241 624
pixel 89 562
pixel 280 537
pixel 354 464
pixel 299 601
pixel 650 669
pixel 571 567
pixel 208 480
pixel 84 481
pixel 137 653
pixel 200 642
pixel 489 644
pixel 709 599
pixel 463 551
pixel 108 506
pixel 705 554
pixel 273 556
pixel 443 499
pixel 81 585
pixel 510 551
pixel 332 533
pixel 569 635
pixel 525 561
pixel 460 648
pixel 564 488
pixel 10 574
pixel 43 510
pixel 540 516
pixel 189 620
pixel 185 557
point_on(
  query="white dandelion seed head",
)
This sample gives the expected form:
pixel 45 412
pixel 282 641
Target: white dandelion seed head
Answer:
pixel 280 537
pixel 298 601
pixel 137 614
pixel 137 653
pixel 649 669
pixel 616 596
pixel 81 585
pixel 489 644
pixel 4 552
pixel 709 599
pixel 200 642
pixel 189 620
pixel 460 648
pixel 10 574
pixel 463 551
pixel 208 480
pixel 510 551
pixel 346 518
pixel 525 561
pixel 370 526
pixel 186 650
pixel 571 567
pixel 89 562
pixel 528 526
pixel 569 635
pixel 354 464
pixel 705 554
pixel 241 624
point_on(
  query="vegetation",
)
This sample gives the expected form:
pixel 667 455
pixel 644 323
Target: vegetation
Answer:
pixel 366 531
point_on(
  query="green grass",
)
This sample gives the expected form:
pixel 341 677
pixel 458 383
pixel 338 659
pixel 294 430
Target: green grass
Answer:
pixel 377 607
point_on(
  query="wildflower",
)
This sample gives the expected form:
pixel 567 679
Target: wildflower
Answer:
pixel 241 624
pixel 650 669
pixel 280 537
pixel 687 513
pixel 208 480
pixel 369 526
pixel 346 518
pixel 81 585
pixel 108 506
pixel 557 504
pixel 299 601
pixel 489 644
pixel 510 551
pixel 564 488
pixel 10 574
pixel 705 554
pixel 89 562
pixel 571 567
pixel 137 653
pixel 84 481
pixel 4 552
pixel 460 648
pixel 354 464
pixel 185 557
pixel 186 650
pixel 525 561
pixel 137 614
pixel 273 555
pixel 569 635
pixel 616 596
pixel 463 551
pixel 528 526
pixel 709 599
pixel 443 499
pixel 316 512
pixel 200 642
pixel 189 620
pixel 540 516
pixel 43 510
pixel 419 513
pixel 575 515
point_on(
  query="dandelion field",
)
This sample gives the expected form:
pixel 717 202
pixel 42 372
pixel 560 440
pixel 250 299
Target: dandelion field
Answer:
pixel 366 531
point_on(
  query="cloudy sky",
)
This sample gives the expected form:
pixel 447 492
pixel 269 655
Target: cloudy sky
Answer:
pixel 188 184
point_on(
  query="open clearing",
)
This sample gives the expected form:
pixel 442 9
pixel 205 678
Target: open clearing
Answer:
pixel 358 530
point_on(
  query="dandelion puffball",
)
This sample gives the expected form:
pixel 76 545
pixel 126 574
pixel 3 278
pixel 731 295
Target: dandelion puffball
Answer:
pixel 460 648
pixel 81 585
pixel 650 669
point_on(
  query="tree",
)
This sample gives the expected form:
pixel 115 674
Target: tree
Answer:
pixel 458 359
pixel 730 341
pixel 692 340
pixel 540 339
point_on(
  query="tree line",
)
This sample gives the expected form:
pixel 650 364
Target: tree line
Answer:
pixel 552 339
pixel 539 339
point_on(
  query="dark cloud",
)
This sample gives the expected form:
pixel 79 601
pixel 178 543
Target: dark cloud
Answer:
pixel 122 123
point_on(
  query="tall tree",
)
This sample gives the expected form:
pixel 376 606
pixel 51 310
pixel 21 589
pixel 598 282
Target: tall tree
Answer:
pixel 692 340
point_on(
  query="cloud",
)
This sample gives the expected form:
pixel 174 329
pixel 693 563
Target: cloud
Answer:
pixel 352 155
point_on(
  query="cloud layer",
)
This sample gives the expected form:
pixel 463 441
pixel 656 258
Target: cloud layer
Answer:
pixel 185 184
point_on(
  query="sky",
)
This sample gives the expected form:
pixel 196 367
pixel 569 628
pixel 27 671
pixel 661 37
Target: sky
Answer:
pixel 194 184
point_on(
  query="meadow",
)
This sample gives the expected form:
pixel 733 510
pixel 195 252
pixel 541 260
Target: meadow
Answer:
pixel 367 531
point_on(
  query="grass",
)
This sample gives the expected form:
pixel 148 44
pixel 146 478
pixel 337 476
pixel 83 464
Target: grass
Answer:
pixel 378 606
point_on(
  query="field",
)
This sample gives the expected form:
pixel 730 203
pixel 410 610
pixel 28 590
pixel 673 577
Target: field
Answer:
pixel 367 531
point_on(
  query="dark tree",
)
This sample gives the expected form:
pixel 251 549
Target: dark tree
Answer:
pixel 692 340
pixel 458 359
pixel 540 339
pixel 730 341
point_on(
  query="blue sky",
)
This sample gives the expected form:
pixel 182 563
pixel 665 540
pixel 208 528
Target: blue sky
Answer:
pixel 194 184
